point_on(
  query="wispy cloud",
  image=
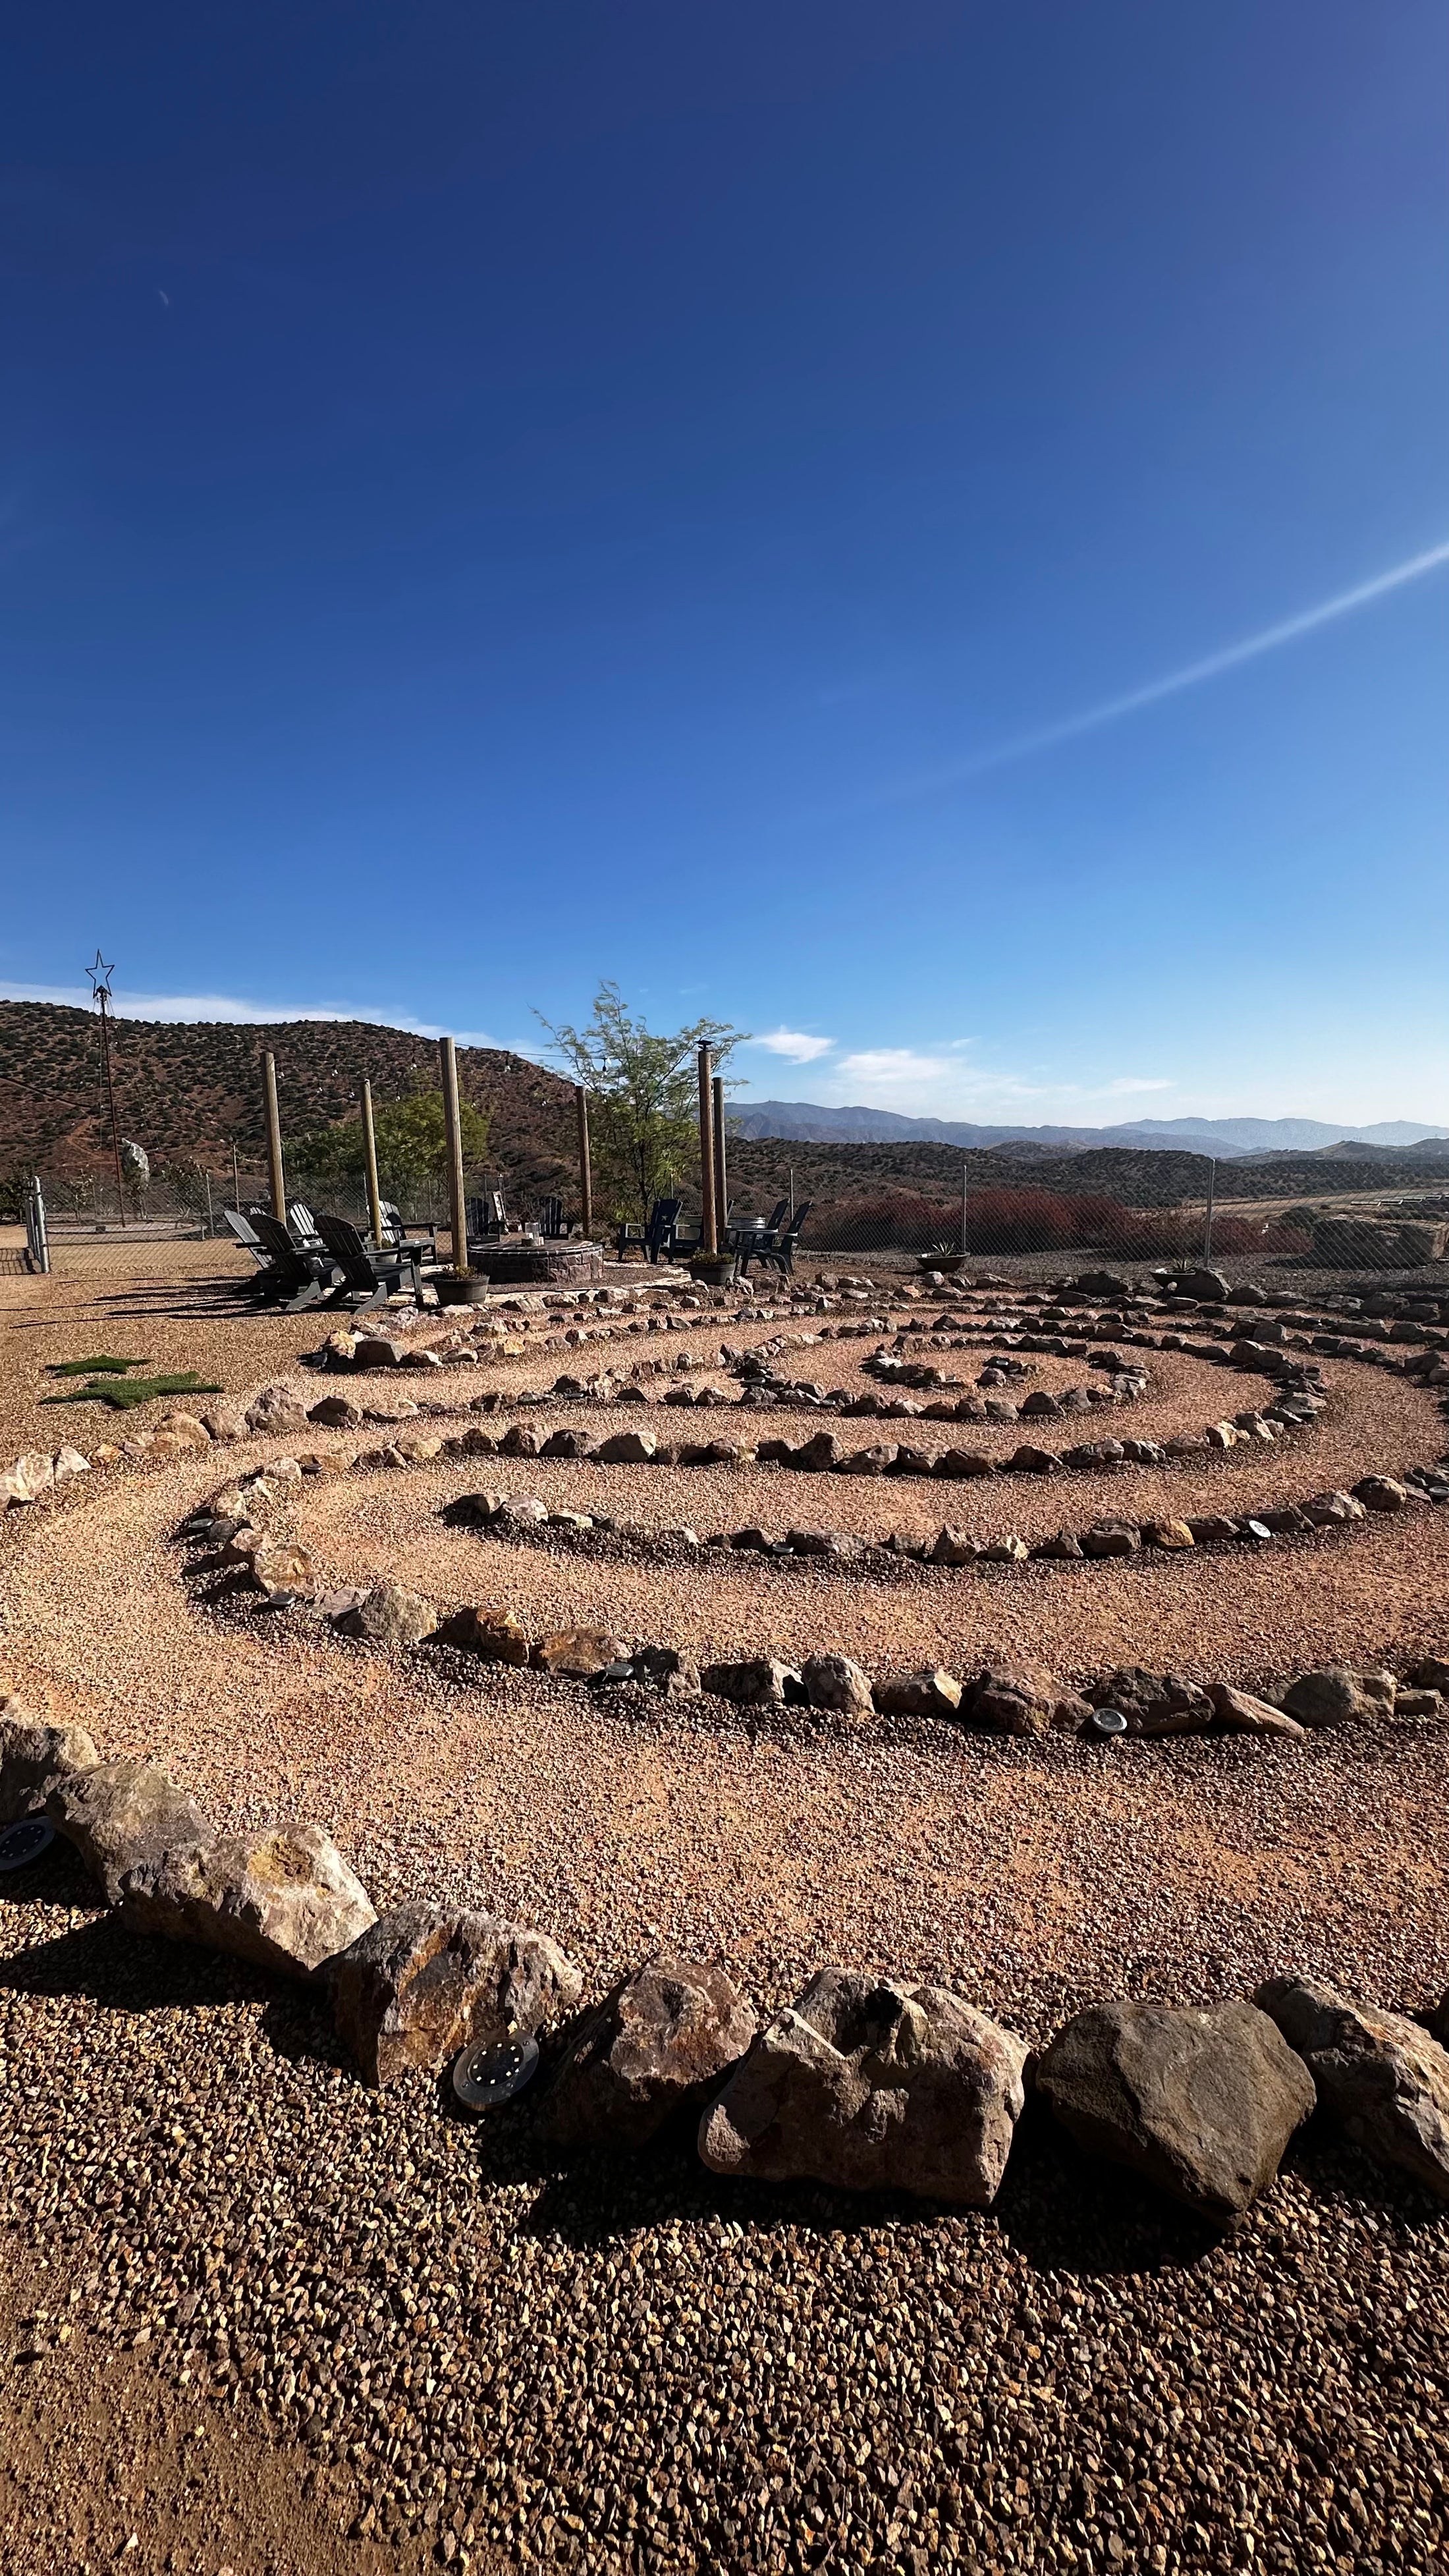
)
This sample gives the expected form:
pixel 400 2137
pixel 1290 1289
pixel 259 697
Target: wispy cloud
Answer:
pixel 230 1007
pixel 1251 648
pixel 889 1067
pixel 795 1044
pixel 1132 1082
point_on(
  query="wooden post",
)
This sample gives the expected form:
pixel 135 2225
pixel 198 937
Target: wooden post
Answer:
pixel 1212 1190
pixel 454 1129
pixel 721 1177
pixel 708 1222
pixel 586 1173
pixel 274 1140
pixel 965 1188
pixel 235 1178
pixel 369 1152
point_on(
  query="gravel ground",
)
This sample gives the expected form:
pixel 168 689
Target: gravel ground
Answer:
pixel 653 2368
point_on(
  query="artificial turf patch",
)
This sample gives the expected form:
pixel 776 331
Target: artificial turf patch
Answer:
pixel 124 1393
pixel 103 1365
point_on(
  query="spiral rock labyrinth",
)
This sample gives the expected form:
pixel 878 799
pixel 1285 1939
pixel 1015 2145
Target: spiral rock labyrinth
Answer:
pixel 655 1661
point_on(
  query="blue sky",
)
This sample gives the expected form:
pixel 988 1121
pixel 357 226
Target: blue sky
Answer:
pixel 495 497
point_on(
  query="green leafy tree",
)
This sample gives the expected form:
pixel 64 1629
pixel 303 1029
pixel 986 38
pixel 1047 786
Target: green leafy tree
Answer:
pixel 412 1146
pixel 643 1098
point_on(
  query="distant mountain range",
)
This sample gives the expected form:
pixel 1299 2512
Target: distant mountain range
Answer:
pixel 1224 1137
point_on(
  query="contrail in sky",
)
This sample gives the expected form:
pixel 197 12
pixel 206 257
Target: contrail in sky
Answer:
pixel 1193 672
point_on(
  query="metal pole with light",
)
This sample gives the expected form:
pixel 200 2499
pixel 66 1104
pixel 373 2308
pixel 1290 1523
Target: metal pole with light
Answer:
pixel 100 975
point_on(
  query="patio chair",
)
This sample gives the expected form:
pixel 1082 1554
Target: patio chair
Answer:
pixel 550 1215
pixel 302 1227
pixel 370 1276
pixel 487 1217
pixel 242 1231
pixel 395 1233
pixel 294 1278
pixel 780 1255
pixel 751 1242
pixel 656 1238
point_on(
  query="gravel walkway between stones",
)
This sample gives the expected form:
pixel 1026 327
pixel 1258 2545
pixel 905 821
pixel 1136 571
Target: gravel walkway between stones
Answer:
pixel 653 2369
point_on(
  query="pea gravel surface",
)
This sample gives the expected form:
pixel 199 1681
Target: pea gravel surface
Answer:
pixel 488 2357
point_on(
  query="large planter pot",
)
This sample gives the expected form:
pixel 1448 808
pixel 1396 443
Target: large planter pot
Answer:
pixel 712 1271
pixel 462 1289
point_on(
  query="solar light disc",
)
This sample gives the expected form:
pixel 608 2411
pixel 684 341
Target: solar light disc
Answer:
pixel 25 1841
pixel 491 2074
pixel 1107 1721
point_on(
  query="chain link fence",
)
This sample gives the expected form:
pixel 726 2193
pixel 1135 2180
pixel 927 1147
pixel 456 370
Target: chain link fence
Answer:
pixel 1020 1228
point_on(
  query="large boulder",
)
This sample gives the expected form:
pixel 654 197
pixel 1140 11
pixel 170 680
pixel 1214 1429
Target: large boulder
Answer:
pixel 391 1617
pixel 31 1476
pixel 577 1654
pixel 276 1413
pixel 1200 2103
pixel 662 2042
pixel 282 1897
pixel 123 1816
pixel 873 2087
pixel 495 1634
pixel 426 1980
pixel 282 1569
pixel 928 1693
pixel 1208 1286
pixel 1013 1699
pixel 1241 1714
pixel 760 1682
pixel 834 1683
pixel 1330 1697
pixel 35 1757
pixel 1154 1704
pixel 1384 2077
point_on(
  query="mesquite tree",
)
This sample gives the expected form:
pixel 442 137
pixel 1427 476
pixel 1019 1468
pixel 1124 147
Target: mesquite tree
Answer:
pixel 643 1098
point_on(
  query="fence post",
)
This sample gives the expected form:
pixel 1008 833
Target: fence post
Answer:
pixel 1207 1231
pixel 36 1237
pixel 210 1218
pixel 965 1193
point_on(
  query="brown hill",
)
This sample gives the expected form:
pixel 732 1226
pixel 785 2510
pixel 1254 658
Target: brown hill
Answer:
pixel 188 1090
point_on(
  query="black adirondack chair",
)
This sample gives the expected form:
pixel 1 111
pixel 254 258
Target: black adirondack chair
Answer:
pixel 395 1232
pixel 369 1276
pixel 302 1227
pixel 751 1242
pixel 487 1217
pixel 295 1279
pixel 242 1231
pixel 658 1239
pixel 550 1216
pixel 781 1254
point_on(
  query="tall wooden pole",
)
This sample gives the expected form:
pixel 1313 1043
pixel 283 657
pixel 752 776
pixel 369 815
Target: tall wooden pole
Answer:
pixel 721 1176
pixel 453 1126
pixel 708 1220
pixel 586 1170
pixel 274 1140
pixel 369 1152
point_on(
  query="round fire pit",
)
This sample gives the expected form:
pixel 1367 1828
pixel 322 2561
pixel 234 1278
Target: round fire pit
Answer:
pixel 526 1261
